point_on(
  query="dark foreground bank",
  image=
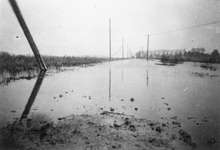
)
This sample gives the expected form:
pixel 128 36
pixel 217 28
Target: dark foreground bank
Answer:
pixel 100 132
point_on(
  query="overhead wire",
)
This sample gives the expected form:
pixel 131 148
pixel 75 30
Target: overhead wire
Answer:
pixel 152 34
pixel 186 28
pixel 116 52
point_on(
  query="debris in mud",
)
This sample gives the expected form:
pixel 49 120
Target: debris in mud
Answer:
pixel 187 138
pixel 166 104
pixel 59 118
pixel 132 99
pixel 211 141
pixel 159 129
pixel 165 64
pixel 174 118
pixel 13 111
pixel 136 109
pixel 112 109
pixel 168 108
pixel 202 75
pixel 208 67
pixel 60 95
pixel 178 124
pixel 106 131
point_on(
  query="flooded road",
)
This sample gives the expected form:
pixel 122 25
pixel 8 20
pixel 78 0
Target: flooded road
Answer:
pixel 186 92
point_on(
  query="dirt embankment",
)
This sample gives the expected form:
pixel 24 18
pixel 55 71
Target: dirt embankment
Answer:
pixel 97 132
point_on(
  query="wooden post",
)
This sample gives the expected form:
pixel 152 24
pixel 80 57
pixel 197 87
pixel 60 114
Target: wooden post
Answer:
pixel 142 52
pixel 110 38
pixel 28 34
pixel 147 46
pixel 127 51
pixel 122 48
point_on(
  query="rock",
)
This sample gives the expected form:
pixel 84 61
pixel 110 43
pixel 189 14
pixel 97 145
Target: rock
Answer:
pixel 59 118
pixel 164 125
pixel 117 125
pixel 132 128
pixel 132 99
pixel 112 109
pixel 176 123
pixel 174 118
pixel 159 129
pixel 127 121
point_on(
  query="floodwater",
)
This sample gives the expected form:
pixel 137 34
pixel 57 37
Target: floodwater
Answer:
pixel 187 92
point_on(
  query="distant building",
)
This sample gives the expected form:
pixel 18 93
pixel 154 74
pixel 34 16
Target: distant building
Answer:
pixel 215 56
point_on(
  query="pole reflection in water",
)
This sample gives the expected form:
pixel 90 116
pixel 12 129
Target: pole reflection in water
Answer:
pixel 122 75
pixel 33 95
pixel 109 84
pixel 147 78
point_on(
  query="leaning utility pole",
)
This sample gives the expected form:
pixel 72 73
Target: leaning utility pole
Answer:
pixel 28 34
pixel 147 46
pixel 110 38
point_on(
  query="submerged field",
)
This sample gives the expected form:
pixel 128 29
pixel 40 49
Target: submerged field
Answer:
pixel 130 104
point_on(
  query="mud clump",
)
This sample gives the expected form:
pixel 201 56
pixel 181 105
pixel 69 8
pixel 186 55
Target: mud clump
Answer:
pixel 187 138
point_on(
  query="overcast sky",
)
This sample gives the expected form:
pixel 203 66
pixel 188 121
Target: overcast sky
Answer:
pixel 81 27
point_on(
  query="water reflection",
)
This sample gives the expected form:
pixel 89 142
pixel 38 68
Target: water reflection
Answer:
pixel 6 76
pixel 33 95
pixel 122 75
pixel 110 84
pixel 147 77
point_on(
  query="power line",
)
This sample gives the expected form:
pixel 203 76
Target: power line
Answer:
pixel 186 28
pixel 175 30
pixel 117 52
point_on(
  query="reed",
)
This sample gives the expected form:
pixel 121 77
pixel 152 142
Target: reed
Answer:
pixel 15 63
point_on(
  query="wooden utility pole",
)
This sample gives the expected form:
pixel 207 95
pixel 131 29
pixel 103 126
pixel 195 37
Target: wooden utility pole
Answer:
pixel 127 51
pixel 28 34
pixel 110 38
pixel 147 46
pixel 122 48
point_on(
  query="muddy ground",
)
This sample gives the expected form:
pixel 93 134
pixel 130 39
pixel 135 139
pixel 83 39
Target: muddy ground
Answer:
pixel 105 131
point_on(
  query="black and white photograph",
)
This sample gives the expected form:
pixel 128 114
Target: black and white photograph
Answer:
pixel 109 74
